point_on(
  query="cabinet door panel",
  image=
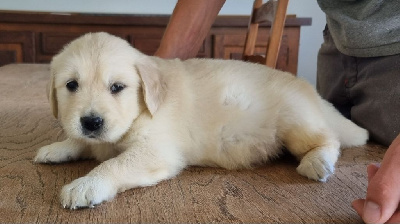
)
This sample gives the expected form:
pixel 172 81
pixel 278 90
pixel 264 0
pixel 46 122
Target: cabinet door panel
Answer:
pixel 16 47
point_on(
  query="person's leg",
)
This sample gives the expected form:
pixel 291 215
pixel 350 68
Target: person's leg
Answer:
pixel 365 90
pixel 376 97
pixel 333 69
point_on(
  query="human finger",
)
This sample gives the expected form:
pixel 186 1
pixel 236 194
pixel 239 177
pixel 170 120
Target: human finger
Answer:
pixel 358 206
pixel 395 218
pixel 371 170
pixel 383 194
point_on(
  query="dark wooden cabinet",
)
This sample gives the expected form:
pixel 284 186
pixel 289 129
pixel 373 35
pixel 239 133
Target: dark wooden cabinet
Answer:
pixel 16 46
pixel 36 37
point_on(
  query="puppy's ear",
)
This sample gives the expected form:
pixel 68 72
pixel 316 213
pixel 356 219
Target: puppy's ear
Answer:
pixel 154 87
pixel 52 96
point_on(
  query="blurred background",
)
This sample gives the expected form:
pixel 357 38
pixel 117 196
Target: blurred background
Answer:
pixel 310 38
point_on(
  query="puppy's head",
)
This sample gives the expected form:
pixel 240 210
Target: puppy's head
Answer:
pixel 96 87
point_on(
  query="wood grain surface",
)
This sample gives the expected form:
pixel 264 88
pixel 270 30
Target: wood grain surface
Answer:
pixel 272 193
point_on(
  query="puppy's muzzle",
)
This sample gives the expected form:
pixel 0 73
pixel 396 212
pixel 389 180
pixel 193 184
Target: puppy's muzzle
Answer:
pixel 91 125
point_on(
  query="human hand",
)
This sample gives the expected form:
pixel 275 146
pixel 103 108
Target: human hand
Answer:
pixel 383 193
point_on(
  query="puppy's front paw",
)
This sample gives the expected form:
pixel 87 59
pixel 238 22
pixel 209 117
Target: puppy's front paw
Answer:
pixel 59 152
pixel 317 165
pixel 51 154
pixel 86 192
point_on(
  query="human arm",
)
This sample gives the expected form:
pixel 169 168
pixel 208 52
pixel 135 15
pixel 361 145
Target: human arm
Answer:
pixel 188 26
pixel 383 192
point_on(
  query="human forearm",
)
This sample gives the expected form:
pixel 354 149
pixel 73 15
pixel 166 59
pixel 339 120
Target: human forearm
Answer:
pixel 188 27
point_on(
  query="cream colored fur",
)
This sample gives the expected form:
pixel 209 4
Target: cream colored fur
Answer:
pixel 172 114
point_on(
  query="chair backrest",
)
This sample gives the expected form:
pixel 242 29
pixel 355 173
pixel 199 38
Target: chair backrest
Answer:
pixel 275 9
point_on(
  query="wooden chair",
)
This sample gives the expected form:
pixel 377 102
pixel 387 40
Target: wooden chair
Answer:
pixel 262 13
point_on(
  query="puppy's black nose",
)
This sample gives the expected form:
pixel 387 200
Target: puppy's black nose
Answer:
pixel 91 123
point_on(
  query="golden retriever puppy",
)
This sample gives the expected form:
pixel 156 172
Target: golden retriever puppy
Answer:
pixel 148 118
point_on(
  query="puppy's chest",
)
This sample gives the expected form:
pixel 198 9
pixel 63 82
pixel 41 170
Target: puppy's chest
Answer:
pixel 106 151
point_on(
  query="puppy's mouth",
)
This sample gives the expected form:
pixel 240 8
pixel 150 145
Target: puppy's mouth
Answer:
pixel 93 129
pixel 91 135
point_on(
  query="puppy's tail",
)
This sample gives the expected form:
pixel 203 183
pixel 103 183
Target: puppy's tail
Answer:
pixel 349 134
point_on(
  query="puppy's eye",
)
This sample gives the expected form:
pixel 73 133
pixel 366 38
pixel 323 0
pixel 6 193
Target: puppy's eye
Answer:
pixel 72 85
pixel 116 88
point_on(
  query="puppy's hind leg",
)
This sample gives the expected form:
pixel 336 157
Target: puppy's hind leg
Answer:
pixel 58 152
pixel 304 131
pixel 316 148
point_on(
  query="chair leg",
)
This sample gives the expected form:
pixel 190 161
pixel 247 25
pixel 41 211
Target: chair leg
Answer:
pixel 276 34
pixel 251 36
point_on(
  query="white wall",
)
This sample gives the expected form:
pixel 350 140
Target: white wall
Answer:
pixel 310 39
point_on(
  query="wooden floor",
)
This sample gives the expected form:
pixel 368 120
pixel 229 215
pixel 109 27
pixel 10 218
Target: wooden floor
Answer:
pixel 273 193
